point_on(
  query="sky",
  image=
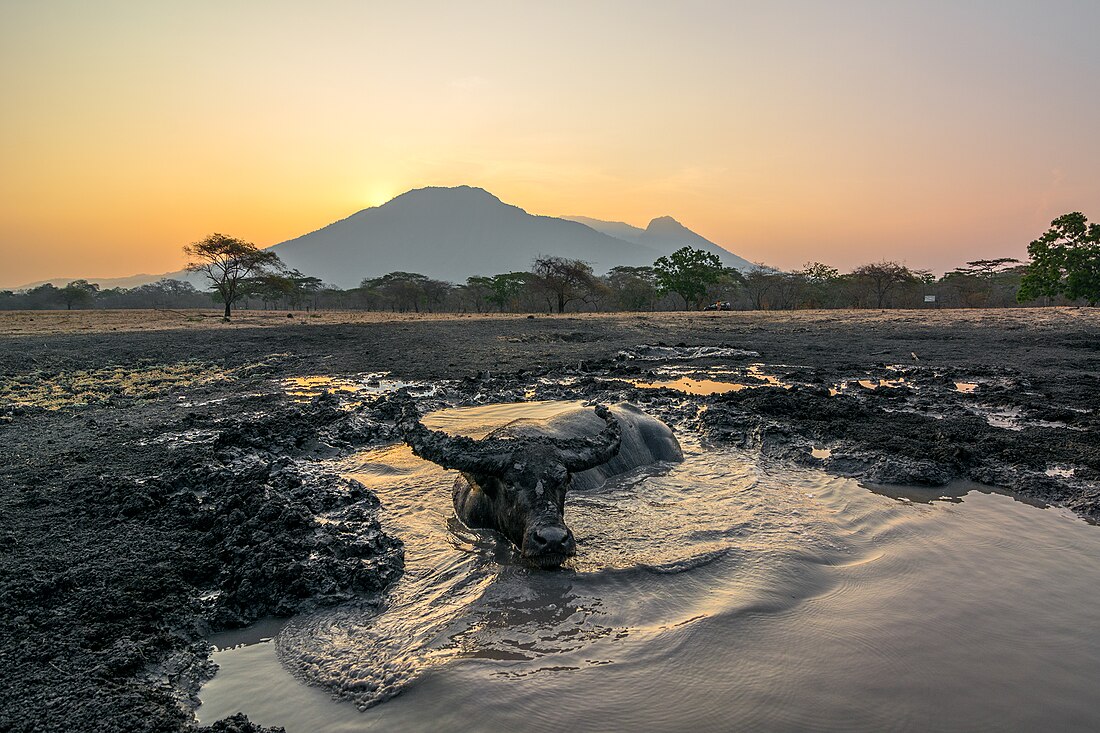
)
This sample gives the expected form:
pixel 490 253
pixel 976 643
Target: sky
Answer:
pixel 846 131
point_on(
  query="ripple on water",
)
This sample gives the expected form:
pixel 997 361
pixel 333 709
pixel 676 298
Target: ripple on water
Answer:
pixel 708 594
pixel 464 595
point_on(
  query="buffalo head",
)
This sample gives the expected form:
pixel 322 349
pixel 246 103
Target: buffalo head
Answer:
pixel 515 484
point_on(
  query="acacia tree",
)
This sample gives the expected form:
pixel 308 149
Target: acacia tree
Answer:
pixel 975 283
pixel 229 262
pixel 1065 260
pixel 687 272
pixel 564 280
pixel 403 291
pixel 881 278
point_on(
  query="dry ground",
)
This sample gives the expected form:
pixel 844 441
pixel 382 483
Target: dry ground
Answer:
pixel 42 323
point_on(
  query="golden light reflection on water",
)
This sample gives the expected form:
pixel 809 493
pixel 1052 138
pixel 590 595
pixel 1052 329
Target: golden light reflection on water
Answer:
pixel 304 389
pixel 754 374
pixel 721 572
pixel 876 383
pixel 691 386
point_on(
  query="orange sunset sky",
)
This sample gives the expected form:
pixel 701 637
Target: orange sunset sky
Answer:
pixel 928 132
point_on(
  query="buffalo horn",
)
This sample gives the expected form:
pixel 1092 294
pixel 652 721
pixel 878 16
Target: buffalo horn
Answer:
pixel 581 454
pixel 451 451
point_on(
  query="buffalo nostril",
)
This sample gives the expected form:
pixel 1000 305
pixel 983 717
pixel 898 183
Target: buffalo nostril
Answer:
pixel 551 536
pixel 553 539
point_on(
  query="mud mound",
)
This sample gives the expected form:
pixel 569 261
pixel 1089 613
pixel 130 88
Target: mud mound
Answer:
pixel 112 579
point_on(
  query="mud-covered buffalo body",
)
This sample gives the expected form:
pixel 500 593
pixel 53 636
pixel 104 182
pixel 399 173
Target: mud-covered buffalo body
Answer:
pixel 515 480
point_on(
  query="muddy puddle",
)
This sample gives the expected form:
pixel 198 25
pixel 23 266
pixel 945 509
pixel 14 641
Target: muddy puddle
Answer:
pixel 304 389
pixel 711 381
pixel 715 594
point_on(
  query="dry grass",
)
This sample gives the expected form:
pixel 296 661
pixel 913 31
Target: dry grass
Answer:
pixel 41 323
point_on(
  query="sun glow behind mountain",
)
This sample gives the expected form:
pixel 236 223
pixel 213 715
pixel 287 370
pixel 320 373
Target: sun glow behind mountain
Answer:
pixel 843 132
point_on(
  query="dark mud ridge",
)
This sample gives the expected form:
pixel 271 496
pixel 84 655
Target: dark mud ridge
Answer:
pixel 906 425
pixel 135 527
pixel 140 531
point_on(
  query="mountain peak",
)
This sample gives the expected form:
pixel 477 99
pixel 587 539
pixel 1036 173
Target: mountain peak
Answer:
pixel 666 224
pixel 463 194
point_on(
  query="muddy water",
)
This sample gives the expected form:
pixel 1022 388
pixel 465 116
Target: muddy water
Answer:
pixel 714 595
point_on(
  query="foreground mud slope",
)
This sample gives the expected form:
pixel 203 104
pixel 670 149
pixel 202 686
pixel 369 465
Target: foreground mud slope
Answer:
pixel 156 485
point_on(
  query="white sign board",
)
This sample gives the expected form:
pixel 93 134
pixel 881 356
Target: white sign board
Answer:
pixel 930 299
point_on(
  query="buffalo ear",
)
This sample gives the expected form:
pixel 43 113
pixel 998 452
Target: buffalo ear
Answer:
pixel 581 454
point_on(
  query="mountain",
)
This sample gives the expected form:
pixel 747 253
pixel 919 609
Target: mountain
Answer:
pixel 665 235
pixel 616 229
pixel 450 234
pixel 453 233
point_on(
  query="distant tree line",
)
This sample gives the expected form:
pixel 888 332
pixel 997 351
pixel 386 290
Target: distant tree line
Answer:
pixel 1064 269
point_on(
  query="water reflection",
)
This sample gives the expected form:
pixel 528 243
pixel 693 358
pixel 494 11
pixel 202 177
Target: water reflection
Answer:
pixel 721 593
pixel 306 388
pixel 691 386
pixel 953 492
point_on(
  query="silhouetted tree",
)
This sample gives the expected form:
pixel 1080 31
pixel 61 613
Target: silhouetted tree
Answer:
pixel 565 281
pixel 819 285
pixel 758 283
pixel 402 291
pixel 45 296
pixel 982 282
pixel 78 293
pixel 229 262
pixel 687 272
pixel 1065 260
pixel 879 279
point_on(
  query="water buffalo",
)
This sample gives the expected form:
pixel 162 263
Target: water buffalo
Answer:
pixel 515 479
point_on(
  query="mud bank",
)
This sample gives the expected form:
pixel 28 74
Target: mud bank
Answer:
pixel 135 522
pixel 133 531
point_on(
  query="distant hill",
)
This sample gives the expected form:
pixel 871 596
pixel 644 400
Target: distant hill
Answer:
pixel 104 283
pixel 453 233
pixel 450 234
pixel 665 235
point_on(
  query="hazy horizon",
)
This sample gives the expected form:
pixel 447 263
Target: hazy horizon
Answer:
pixel 848 132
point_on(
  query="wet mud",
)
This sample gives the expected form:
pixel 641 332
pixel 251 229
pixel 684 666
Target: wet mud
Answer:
pixel 192 493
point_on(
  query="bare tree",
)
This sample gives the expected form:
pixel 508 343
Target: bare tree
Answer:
pixel 229 262
pixel 758 283
pixel 565 281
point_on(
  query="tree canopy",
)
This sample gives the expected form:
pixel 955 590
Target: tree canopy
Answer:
pixel 79 293
pixel 880 278
pixel 687 272
pixel 229 262
pixel 1064 261
pixel 564 280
